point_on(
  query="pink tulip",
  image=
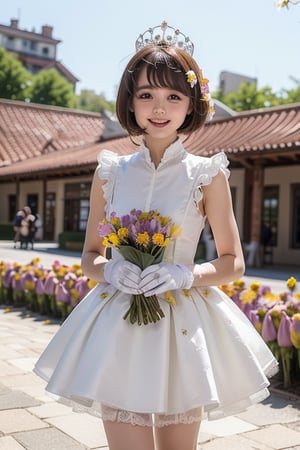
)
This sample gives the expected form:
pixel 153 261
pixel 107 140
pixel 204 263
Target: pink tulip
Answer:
pixel 39 287
pixel 284 331
pixel 50 283
pixel 268 329
pixel 295 331
pixel 62 293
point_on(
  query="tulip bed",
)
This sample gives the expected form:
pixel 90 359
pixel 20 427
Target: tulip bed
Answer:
pixel 52 292
pixel 55 292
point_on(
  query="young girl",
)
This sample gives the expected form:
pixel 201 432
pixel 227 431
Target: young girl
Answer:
pixel 152 383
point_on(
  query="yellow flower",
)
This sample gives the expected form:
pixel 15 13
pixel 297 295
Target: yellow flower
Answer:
pixel 170 298
pixel 248 296
pixel 92 283
pixel 115 221
pixel 144 216
pixel 75 294
pixel 295 330
pixel 123 233
pixel 186 292
pixel 255 286
pixel 175 231
pixel 158 239
pixel 35 261
pixel 113 239
pixel 29 285
pixel 272 297
pixel 291 283
pixel 143 239
pixel 239 284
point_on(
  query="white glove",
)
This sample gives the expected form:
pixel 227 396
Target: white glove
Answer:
pixel 163 277
pixel 123 275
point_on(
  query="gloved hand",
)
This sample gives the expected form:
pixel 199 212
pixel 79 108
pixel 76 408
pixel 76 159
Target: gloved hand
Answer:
pixel 123 275
pixel 163 277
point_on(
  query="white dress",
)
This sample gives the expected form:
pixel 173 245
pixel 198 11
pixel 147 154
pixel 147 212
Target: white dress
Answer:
pixel 203 353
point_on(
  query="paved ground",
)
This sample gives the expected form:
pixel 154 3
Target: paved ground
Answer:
pixel 30 420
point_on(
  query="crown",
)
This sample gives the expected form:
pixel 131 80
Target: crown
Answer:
pixel 167 37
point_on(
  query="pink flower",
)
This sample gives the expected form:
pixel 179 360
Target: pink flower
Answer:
pixel 268 329
pixel 284 331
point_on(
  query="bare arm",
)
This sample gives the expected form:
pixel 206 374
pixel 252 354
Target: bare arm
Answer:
pixel 229 265
pixel 93 255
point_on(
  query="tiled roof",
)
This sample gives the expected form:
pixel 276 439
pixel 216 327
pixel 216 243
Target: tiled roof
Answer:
pixel 272 135
pixel 30 130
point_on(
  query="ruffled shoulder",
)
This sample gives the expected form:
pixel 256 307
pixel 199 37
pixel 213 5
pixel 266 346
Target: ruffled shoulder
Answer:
pixel 108 162
pixel 208 168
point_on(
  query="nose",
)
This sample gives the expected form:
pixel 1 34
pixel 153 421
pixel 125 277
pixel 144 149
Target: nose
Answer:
pixel 159 109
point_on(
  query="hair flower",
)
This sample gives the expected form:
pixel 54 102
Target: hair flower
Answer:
pixel 191 78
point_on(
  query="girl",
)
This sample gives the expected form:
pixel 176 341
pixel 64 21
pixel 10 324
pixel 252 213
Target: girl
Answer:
pixel 152 383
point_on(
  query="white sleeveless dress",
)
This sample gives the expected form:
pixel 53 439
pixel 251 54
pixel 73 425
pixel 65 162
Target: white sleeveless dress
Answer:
pixel 203 354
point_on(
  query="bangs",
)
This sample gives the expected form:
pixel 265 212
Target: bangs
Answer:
pixel 163 71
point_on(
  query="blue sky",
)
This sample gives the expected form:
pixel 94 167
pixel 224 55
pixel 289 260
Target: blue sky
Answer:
pixel 249 37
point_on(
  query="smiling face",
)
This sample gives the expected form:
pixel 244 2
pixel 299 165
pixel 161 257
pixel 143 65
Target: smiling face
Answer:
pixel 159 111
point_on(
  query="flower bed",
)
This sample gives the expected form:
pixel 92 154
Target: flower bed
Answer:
pixel 277 319
pixel 55 292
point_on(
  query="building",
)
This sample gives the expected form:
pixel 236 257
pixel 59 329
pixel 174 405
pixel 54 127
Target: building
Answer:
pixel 36 51
pixel 48 156
pixel 231 82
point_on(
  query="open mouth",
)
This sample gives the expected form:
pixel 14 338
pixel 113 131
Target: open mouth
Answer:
pixel 159 123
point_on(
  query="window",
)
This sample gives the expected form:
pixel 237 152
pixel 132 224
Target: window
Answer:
pixel 12 207
pixel 270 211
pixel 76 206
pixel 45 51
pixel 33 45
pixel 295 216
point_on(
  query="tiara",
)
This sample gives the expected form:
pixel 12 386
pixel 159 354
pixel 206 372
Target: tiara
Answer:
pixel 167 37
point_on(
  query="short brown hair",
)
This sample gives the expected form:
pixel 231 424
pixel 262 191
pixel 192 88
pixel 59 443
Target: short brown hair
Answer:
pixel 165 67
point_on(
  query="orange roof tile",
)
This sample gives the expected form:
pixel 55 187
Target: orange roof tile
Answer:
pixel 271 134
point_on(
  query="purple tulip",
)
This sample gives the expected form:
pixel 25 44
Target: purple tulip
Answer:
pixel 268 329
pixel 50 283
pixel 7 277
pixel 62 293
pixel 82 286
pixel 284 331
pixel 39 287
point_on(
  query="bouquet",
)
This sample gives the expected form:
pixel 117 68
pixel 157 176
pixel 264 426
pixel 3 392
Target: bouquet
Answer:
pixel 141 238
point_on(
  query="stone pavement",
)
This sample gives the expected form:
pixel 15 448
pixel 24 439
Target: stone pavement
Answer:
pixel 29 419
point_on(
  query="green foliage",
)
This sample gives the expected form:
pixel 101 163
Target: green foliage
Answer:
pixel 14 78
pixel 249 97
pixel 90 101
pixel 50 88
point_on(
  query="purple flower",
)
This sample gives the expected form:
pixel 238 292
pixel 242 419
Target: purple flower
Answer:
pixel 105 229
pixel 284 331
pixel 50 283
pixel 39 287
pixel 268 329
pixel 62 293
pixel 82 286
pixel 7 277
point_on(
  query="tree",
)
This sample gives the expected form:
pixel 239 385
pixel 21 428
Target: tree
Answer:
pixel 14 78
pixel 90 101
pixel 248 97
pixel 50 88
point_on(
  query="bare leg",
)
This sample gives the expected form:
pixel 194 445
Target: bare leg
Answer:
pixel 177 437
pixel 124 436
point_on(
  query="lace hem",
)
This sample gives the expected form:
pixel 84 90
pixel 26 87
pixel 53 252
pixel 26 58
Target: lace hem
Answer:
pixel 157 420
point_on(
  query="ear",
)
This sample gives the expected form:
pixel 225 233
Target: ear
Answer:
pixel 190 108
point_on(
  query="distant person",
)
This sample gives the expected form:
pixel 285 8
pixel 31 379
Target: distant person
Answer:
pixel 19 218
